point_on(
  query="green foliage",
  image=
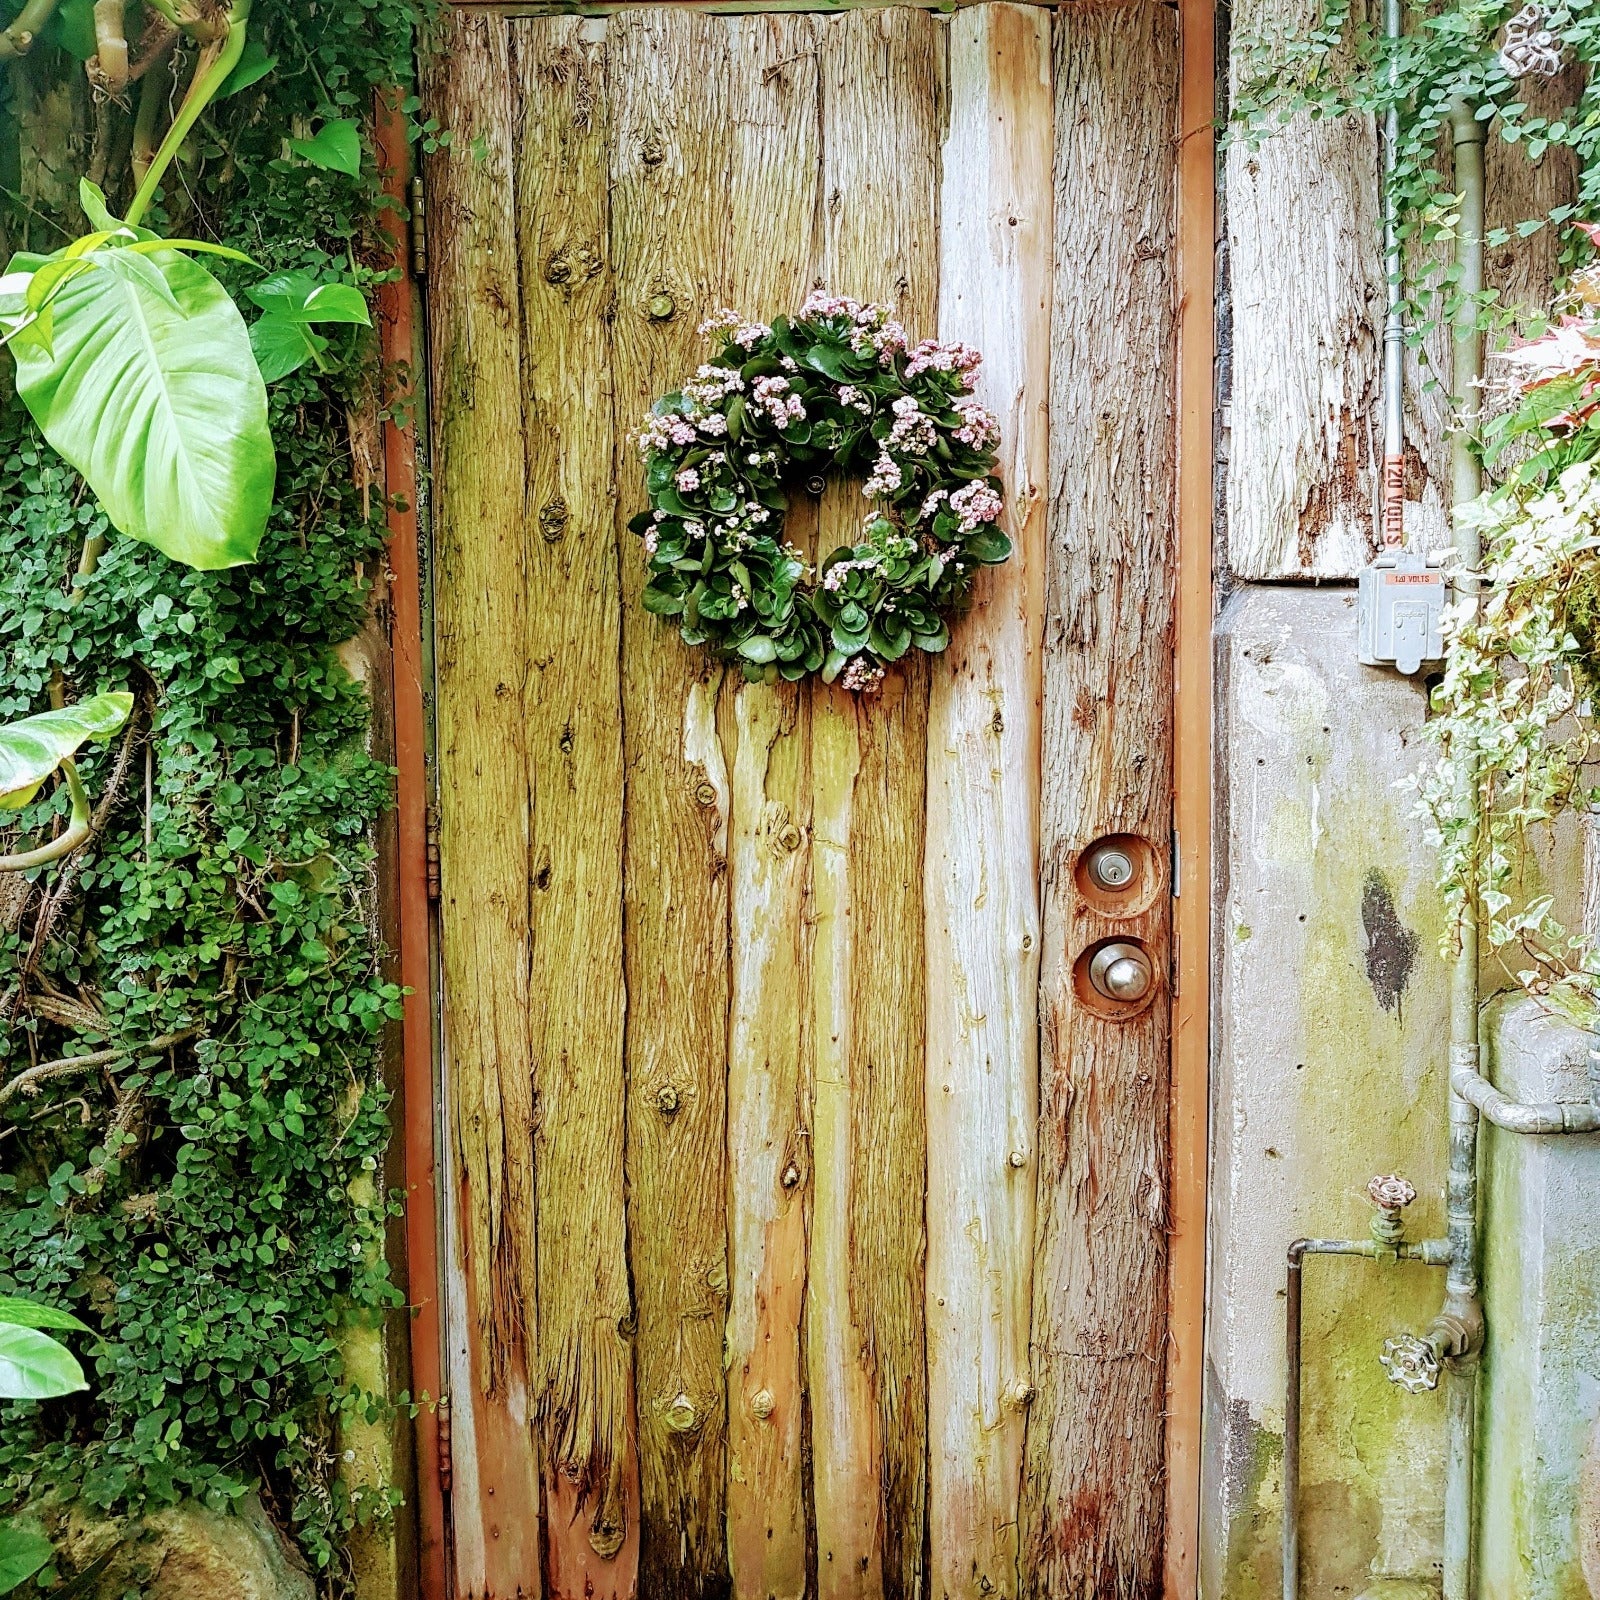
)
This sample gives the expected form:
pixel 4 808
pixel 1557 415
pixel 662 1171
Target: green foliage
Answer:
pixel 190 1200
pixel 1448 53
pixel 292 304
pixel 834 388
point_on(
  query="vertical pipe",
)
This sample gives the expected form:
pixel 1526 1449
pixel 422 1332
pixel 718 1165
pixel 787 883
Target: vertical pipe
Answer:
pixel 1291 1426
pixel 1394 333
pixel 1462 1199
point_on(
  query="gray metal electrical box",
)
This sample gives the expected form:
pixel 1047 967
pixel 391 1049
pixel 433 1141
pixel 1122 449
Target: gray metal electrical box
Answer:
pixel 1400 605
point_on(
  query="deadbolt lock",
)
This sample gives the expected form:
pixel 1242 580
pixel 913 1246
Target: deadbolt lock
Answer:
pixel 1121 971
pixel 1110 866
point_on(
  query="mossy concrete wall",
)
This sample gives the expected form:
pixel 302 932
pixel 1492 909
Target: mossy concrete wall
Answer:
pixel 1329 1068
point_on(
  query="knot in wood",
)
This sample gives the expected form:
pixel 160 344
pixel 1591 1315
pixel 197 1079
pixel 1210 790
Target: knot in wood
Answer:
pixel 661 307
pixel 679 1414
pixel 1020 1395
pixel 705 792
pixel 791 1176
pixel 788 838
pixel 762 1403
pixel 553 520
pixel 652 151
pixel 1018 1158
pixel 667 1100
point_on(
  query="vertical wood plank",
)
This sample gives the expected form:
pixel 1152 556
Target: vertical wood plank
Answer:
pixel 572 709
pixel 1308 296
pixel 1093 1508
pixel 483 846
pixel 671 154
pixel 882 102
pixel 983 808
pixel 773 202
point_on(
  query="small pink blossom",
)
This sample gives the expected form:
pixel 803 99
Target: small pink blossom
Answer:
pixel 886 477
pixel 860 677
pixel 979 427
pixel 687 480
pixel 772 398
pixel 933 356
pixel 975 505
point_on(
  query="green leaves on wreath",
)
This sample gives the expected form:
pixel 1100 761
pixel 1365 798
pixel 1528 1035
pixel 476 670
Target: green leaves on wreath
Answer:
pixel 292 303
pixel 136 365
pixel 34 747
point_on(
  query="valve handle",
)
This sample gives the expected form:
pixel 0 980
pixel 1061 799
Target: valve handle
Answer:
pixel 1390 1193
pixel 1410 1362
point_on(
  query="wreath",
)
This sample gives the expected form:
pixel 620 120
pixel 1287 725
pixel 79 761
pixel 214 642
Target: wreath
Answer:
pixel 836 387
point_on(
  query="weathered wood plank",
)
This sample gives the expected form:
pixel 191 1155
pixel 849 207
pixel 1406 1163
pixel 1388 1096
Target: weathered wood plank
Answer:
pixel 672 152
pixel 1306 267
pixel 882 86
pixel 480 478
pixel 772 99
pixel 1093 1504
pixel 983 811
pixel 573 713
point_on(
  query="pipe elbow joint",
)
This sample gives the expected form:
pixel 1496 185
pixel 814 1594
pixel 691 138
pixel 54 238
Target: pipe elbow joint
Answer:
pixel 1457 1332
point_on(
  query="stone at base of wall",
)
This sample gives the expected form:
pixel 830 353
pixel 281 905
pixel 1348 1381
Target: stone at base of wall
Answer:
pixel 183 1552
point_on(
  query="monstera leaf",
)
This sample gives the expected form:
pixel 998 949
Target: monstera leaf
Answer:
pixel 137 367
pixel 30 750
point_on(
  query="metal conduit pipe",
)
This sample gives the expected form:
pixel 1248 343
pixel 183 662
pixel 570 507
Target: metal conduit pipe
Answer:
pixel 1517 1116
pixel 1461 1316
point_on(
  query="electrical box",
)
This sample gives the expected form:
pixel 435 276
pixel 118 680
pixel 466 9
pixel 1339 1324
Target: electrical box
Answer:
pixel 1400 605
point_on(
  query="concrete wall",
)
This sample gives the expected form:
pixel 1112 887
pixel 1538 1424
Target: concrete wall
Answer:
pixel 1328 1068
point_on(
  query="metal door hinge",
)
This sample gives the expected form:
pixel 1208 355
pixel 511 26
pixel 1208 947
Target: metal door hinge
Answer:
pixel 432 838
pixel 446 1459
pixel 419 230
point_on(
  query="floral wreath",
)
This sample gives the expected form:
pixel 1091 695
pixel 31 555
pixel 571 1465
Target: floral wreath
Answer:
pixel 835 387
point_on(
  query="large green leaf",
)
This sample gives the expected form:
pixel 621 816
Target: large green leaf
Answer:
pixel 30 750
pixel 31 1314
pixel 282 338
pixel 157 402
pixel 336 146
pixel 33 1366
pixel 23 1550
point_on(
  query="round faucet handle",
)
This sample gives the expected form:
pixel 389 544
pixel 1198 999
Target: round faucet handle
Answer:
pixel 1411 1363
pixel 1390 1194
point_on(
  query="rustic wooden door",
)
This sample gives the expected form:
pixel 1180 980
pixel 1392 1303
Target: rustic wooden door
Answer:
pixel 766 1276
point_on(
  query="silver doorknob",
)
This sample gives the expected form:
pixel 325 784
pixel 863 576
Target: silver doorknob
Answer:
pixel 1121 971
pixel 1110 867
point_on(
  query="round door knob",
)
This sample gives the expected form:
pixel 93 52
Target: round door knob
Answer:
pixel 1110 867
pixel 1121 972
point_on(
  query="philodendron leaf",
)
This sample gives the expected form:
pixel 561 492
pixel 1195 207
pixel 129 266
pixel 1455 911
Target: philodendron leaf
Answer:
pixel 158 403
pixel 31 1314
pixel 33 1366
pixel 30 750
pixel 336 146
pixel 23 1551
pixel 290 302
pixel 282 346
pixel 93 200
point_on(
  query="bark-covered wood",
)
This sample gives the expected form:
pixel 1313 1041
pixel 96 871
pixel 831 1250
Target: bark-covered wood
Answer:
pixel 1094 1495
pixel 879 241
pixel 573 731
pixel 671 158
pixel 772 98
pixel 983 810
pixel 1306 269
pixel 480 477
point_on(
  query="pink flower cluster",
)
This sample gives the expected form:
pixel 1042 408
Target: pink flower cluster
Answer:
pixel 885 479
pixel 874 329
pixel 913 430
pixel 710 386
pixel 851 396
pixel 933 356
pixel 860 677
pixel 772 398
pixel 661 433
pixel 976 505
pixel 833 578
pixel 979 426
pixel 687 481
pixel 743 333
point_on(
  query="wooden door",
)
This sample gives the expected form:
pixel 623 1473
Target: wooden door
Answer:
pixel 752 1213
